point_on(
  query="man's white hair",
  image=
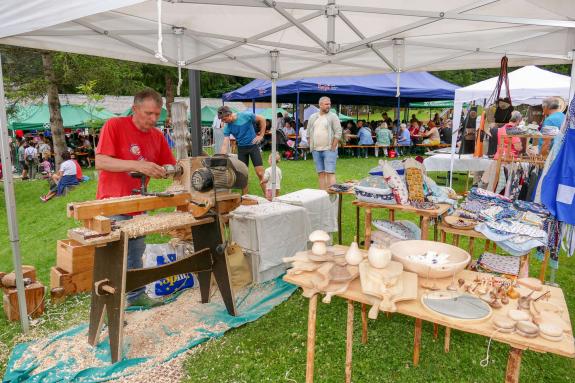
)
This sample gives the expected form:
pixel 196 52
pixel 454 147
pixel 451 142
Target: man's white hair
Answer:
pixel 324 98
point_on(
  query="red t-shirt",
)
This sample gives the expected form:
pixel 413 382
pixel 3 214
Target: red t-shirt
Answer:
pixel 121 139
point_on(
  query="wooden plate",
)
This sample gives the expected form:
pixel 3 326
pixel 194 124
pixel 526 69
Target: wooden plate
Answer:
pixel 459 223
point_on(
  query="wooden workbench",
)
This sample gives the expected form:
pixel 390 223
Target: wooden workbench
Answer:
pixel 414 308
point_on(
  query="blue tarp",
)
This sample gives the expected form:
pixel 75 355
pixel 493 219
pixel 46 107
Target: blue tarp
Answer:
pixel 67 358
pixel 379 89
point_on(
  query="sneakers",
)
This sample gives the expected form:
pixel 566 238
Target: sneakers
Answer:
pixel 146 302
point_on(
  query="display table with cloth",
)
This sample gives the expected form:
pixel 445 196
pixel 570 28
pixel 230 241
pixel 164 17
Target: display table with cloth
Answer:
pixel 414 308
pixel 321 207
pixel 424 216
pixel 340 195
pixel 270 232
pixel 464 163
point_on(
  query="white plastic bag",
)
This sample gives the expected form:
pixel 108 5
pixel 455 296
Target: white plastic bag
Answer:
pixel 161 254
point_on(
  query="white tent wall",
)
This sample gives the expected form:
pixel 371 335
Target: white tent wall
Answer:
pixel 312 37
pixel 528 85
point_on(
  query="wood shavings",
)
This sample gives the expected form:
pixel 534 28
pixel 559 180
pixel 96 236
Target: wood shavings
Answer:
pixel 146 224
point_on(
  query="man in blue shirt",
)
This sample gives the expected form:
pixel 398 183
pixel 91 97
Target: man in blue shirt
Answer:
pixel 241 126
pixel 554 117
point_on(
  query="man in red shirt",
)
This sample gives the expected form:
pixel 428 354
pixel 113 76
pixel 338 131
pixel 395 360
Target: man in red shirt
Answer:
pixel 132 144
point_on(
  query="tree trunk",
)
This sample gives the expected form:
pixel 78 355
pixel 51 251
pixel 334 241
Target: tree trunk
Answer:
pixel 169 94
pixel 56 123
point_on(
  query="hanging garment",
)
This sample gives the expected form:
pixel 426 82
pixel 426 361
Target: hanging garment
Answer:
pixel 559 193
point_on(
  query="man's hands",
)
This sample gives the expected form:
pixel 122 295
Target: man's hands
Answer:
pixel 257 139
pixel 150 169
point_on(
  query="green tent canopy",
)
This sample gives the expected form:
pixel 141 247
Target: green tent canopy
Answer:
pixel 343 117
pixel 37 117
pixel 267 112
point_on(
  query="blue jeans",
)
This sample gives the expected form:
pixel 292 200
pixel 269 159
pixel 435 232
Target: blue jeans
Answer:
pixel 325 160
pixel 136 248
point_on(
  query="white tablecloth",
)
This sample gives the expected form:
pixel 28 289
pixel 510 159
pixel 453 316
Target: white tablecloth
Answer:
pixel 441 163
pixel 275 230
pixel 321 207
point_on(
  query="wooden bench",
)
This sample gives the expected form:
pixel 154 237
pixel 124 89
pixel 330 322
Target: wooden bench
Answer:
pixel 433 145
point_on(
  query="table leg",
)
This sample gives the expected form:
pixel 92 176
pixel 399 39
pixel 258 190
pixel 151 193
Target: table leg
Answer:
pixel 363 323
pixel 424 224
pixel 339 205
pixel 357 224
pixel 513 365
pixel 544 266
pixel 455 240
pixel 443 236
pixel 435 331
pixel 435 229
pixel 447 339
pixel 367 238
pixel 349 341
pixel 471 243
pixel 391 215
pixel 487 243
pixel 416 341
pixel 311 318
pixel 494 247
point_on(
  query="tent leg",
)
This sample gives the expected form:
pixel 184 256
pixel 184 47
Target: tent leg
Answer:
pixel 253 105
pixel 196 111
pixel 11 208
pixel 296 123
pixel 274 76
pixel 572 86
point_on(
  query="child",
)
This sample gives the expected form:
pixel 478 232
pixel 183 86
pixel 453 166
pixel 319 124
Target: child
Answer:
pixel 46 168
pixel 268 175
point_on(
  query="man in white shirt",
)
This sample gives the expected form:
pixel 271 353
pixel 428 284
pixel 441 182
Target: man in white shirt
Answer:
pixel 31 159
pixel 324 133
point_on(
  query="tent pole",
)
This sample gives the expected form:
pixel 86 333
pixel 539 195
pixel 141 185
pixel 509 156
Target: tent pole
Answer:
pixel 296 122
pixel 274 76
pixel 572 86
pixel 253 105
pixel 11 208
pixel 196 112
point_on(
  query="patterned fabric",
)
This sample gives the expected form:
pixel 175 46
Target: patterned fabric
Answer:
pixel 514 227
pixel 533 207
pixel 374 195
pixel 395 182
pixel 404 230
pixel 503 264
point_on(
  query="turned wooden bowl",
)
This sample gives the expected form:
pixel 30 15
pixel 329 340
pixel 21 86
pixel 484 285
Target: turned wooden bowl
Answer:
pixel 457 260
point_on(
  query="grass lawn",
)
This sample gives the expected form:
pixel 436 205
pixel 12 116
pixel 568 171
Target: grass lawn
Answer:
pixel 274 347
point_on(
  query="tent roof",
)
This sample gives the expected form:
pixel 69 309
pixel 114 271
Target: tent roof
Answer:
pixel 37 117
pixel 528 85
pixel 312 37
pixel 369 89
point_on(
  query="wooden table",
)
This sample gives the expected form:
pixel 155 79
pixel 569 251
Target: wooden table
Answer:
pixel 339 207
pixel 424 216
pixel 414 308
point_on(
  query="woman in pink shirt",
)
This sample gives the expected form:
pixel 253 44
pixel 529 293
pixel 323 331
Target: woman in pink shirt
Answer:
pixel 516 146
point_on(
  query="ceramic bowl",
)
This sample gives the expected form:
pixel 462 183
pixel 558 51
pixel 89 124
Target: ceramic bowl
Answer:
pixel 457 260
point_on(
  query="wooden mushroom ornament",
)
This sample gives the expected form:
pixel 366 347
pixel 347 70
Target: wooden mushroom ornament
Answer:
pixel 319 238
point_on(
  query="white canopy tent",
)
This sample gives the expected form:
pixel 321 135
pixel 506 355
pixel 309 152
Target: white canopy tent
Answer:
pixel 275 39
pixel 528 85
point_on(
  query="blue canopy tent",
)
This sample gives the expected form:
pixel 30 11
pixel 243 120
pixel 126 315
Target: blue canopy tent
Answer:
pixel 377 89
